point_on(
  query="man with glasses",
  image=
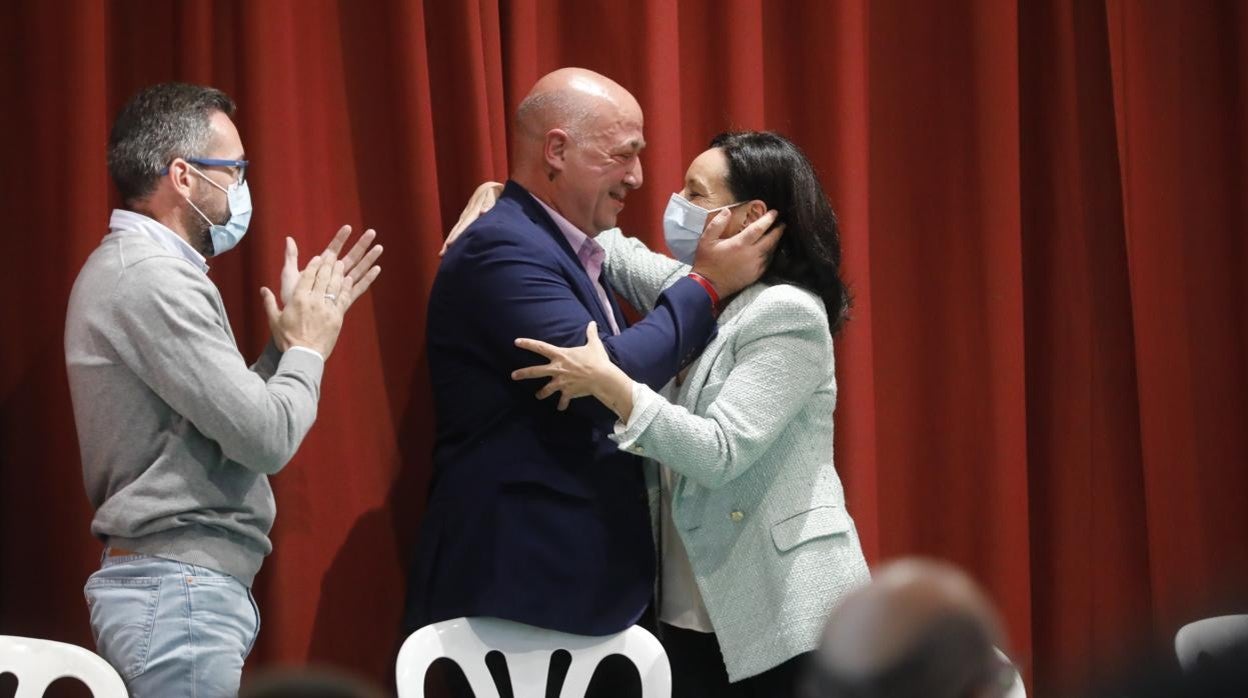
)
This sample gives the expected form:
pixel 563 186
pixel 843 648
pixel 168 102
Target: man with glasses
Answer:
pixel 178 435
pixel 238 196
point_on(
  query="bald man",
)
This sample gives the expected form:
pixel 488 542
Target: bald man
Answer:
pixel 921 628
pixel 535 516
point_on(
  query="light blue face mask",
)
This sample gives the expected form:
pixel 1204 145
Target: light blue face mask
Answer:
pixel 225 237
pixel 683 223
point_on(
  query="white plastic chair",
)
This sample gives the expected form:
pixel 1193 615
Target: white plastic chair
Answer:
pixel 528 651
pixel 1208 636
pixel 1017 689
pixel 37 663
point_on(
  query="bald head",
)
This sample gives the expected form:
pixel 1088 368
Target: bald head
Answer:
pixel 575 146
pixel 571 99
pixel 920 628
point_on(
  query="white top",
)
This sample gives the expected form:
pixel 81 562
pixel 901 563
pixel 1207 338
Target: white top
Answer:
pixel 680 602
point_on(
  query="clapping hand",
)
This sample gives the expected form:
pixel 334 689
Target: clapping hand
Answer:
pixel 360 264
pixel 315 299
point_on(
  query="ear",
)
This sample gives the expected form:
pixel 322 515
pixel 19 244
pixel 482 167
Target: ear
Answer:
pixel 181 176
pixel 555 150
pixel 754 210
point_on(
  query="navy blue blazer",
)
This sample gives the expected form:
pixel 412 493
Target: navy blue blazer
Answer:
pixel 534 515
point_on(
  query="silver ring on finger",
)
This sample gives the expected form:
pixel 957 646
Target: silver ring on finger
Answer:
pixel 331 297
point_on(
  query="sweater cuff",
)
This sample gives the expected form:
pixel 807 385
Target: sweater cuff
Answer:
pixel 313 352
pixel 302 360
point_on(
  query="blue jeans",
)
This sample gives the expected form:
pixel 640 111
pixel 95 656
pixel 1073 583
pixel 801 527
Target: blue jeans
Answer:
pixel 170 628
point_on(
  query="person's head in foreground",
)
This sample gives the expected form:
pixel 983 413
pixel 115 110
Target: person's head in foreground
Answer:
pixel 747 173
pixel 920 629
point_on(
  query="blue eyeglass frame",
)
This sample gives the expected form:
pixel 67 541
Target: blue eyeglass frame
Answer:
pixel 217 162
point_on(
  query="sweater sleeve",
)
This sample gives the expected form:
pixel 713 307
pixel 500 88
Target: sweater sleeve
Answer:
pixel 172 332
pixel 782 356
pixel 266 365
pixel 638 273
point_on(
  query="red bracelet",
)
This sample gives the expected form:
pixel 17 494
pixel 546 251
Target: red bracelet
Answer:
pixel 707 286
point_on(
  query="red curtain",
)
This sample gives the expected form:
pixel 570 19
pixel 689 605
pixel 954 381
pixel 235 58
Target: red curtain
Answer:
pixel 1045 378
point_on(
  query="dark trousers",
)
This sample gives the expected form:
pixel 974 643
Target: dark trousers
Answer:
pixel 698 669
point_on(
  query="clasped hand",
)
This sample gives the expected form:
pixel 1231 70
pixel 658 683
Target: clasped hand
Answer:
pixel 577 371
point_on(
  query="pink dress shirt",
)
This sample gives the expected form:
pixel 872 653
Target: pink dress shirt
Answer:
pixel 589 253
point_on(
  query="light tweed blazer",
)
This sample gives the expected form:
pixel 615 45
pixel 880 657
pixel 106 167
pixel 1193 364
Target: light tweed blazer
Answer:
pixel 748 436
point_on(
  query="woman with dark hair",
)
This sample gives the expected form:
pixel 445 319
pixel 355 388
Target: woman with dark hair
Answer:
pixel 766 167
pixel 756 544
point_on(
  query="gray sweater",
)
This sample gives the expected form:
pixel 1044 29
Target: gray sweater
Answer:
pixel 178 435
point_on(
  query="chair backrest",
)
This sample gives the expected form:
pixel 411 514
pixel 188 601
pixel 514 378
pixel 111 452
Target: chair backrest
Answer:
pixel 1209 636
pixel 1017 689
pixel 528 651
pixel 37 663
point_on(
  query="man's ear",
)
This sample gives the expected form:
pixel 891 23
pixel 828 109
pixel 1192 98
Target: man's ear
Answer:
pixel 180 176
pixel 555 152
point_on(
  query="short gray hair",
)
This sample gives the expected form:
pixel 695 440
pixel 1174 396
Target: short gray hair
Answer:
pixel 538 113
pixel 163 122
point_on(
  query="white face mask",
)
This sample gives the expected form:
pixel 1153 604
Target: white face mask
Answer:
pixel 683 223
pixel 225 237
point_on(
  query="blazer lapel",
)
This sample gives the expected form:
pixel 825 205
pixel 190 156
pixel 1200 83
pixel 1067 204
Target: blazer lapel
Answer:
pixel 584 287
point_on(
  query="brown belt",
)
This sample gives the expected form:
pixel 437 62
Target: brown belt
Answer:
pixel 121 552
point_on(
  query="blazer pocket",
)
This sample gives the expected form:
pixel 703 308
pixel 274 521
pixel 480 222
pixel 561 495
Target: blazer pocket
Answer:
pixel 818 522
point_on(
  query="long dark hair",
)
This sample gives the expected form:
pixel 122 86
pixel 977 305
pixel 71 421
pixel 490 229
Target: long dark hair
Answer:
pixel 767 166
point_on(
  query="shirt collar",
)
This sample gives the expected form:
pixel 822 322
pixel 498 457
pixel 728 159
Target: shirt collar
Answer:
pixel 591 256
pixel 158 233
pixel 574 235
